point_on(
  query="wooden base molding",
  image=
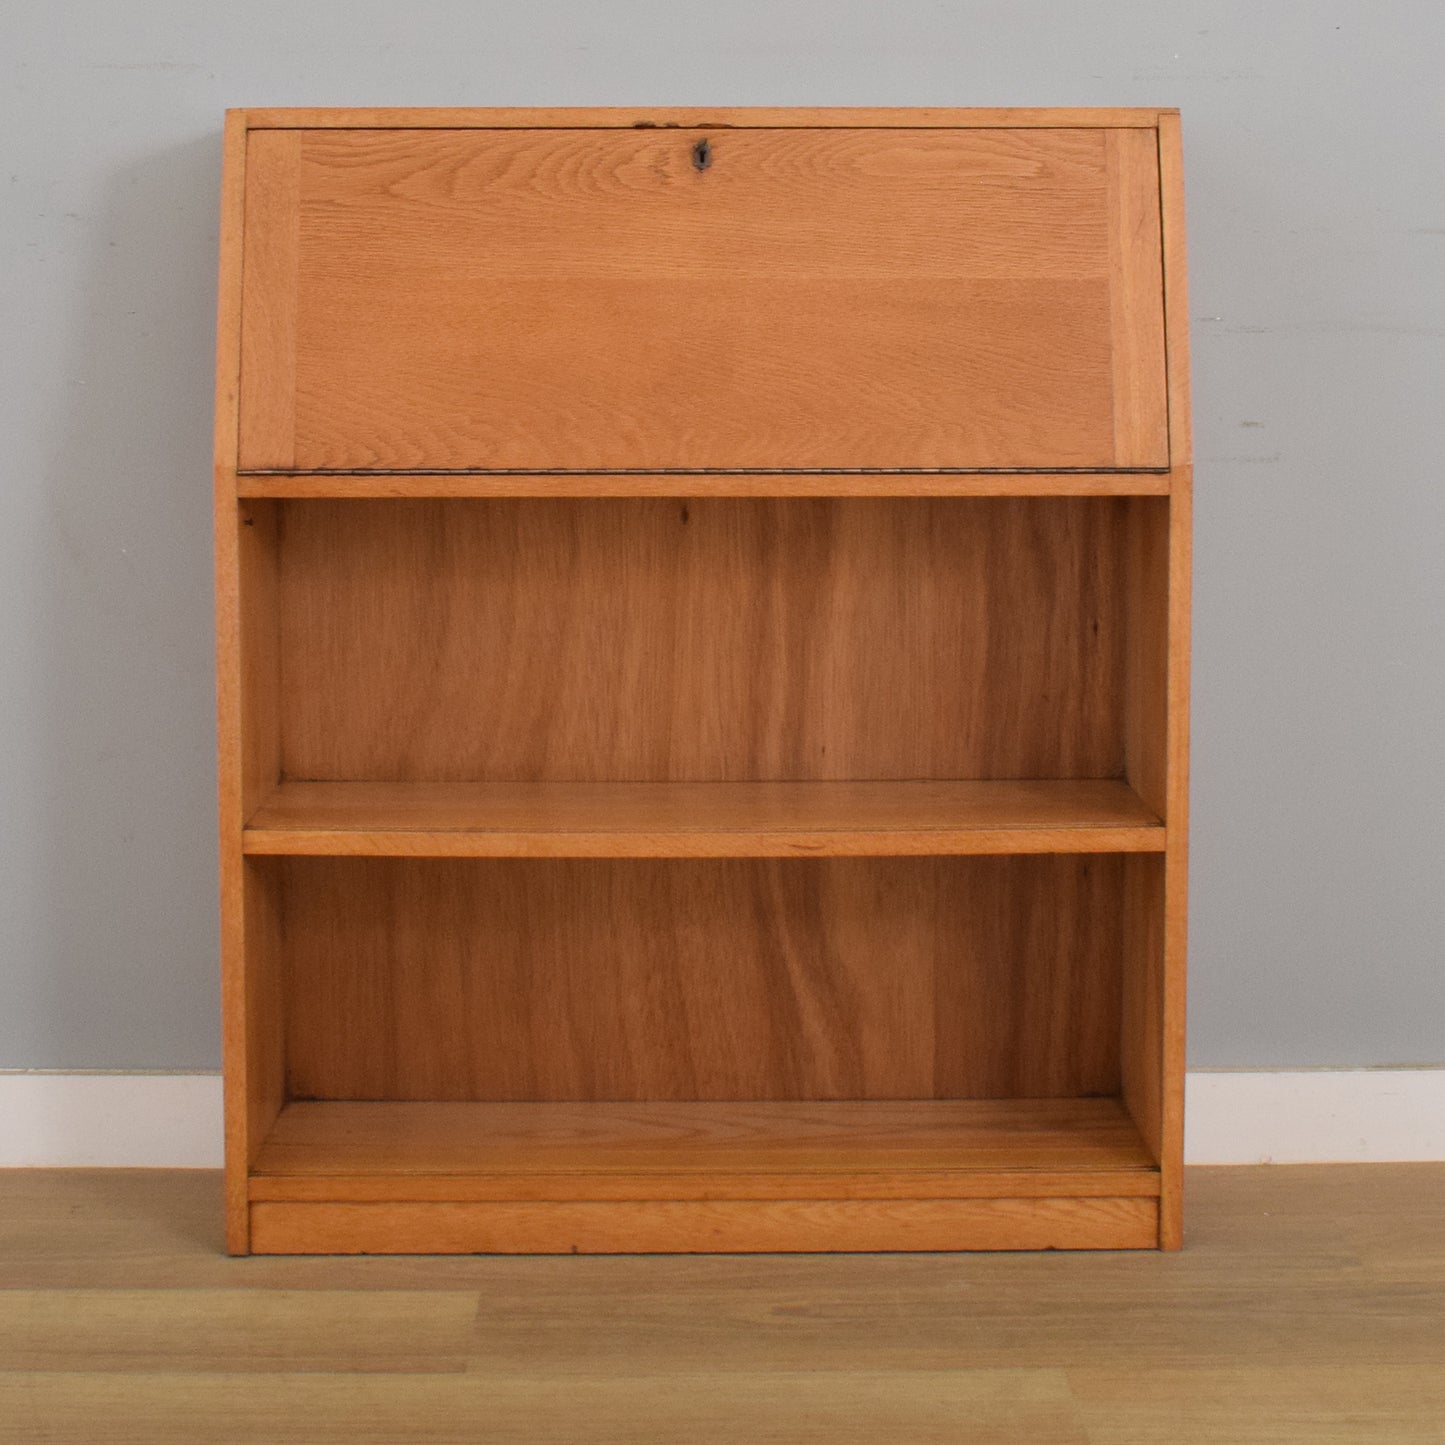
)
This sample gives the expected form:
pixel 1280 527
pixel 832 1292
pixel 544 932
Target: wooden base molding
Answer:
pixel 705 1227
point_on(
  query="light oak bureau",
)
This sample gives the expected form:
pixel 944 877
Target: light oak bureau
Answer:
pixel 703 606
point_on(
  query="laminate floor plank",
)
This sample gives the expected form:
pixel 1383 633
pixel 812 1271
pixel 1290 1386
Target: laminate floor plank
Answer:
pixel 234 1331
pixel 1009 1407
pixel 1361 1405
pixel 1307 1308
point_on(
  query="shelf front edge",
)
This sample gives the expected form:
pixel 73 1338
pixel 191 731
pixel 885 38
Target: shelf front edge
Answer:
pixel 702 820
pixel 267 842
pixel 395 485
pixel 558 1186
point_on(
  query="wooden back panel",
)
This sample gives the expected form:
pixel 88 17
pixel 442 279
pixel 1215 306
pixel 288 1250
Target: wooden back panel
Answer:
pixel 708 640
pixel 738 979
pixel 608 299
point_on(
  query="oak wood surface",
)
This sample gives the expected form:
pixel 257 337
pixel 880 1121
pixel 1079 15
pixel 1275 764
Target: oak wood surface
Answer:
pixel 1144 578
pixel 621 1186
pixel 380 485
pixel 701 820
pixel 256 892
pixel 456 679
pixel 644 117
pixel 689 1227
pixel 723 979
pixel 234 755
pixel 256 525
pixel 773 1155
pixel 704 640
pixel 1141 422
pixel 597 300
pixel 271 296
pixel 264 992
pixel 315 1140
pixel 229 267
pixel 1181 503
pixel 1176 287
pixel 1176 868
pixel 1143 1080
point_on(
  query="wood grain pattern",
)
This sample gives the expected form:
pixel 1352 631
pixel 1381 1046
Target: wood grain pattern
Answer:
pixel 265 1071
pixel 1176 866
pixel 435 979
pixel 673 116
pixel 256 526
pixel 1141 421
pixel 619 1186
pixel 692 1227
pixel 228 305
pixel 381 485
pixel 1042 1019
pixel 1146 743
pixel 252 887
pixel 718 640
pixel 271 300
pixel 1144 577
pixel 1176 288
pixel 231 705
pixel 1181 503
pixel 701 820
pixel 591 299
pixel 605 798
pixel 1141 1017
pixel 828 1141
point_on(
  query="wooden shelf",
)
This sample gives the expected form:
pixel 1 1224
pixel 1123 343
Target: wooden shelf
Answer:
pixel 300 485
pixel 358 1177
pixel 702 820
pixel 767 1149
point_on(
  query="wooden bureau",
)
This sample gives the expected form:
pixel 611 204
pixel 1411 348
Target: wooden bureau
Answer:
pixel 703 605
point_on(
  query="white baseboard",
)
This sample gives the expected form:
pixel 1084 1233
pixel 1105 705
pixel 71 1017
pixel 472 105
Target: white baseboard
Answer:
pixel 1315 1116
pixel 132 1121
pixel 173 1121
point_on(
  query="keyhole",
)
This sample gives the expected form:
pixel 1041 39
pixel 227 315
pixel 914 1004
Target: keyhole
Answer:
pixel 701 155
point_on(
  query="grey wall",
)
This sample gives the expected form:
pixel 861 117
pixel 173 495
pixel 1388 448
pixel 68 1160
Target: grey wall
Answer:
pixel 1313 140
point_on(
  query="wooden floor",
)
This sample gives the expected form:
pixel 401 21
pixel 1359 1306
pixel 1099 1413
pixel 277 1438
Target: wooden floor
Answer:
pixel 1308 1306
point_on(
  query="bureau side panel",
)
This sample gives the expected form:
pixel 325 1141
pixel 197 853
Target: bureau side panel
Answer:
pixel 231 803
pixel 1145 580
pixel 248 736
pixel 1176 311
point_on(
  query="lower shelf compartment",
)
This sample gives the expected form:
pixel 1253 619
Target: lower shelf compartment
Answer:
pixel 358 1177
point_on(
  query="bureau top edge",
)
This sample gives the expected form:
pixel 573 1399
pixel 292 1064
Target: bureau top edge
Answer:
pixel 696 117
